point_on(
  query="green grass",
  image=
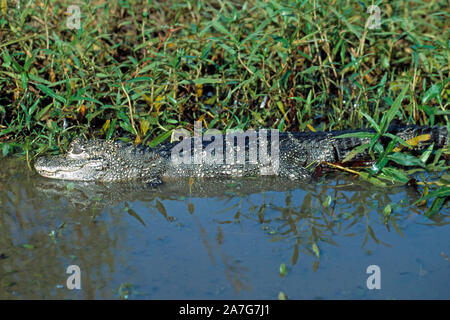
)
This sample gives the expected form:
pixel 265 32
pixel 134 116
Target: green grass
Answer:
pixel 139 69
pixel 180 61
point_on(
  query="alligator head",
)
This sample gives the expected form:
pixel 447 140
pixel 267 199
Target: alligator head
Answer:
pixel 101 160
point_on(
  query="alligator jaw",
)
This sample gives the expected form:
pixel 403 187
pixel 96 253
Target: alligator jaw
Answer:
pixel 58 167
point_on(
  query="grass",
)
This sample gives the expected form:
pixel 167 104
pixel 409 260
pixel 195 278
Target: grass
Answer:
pixel 139 69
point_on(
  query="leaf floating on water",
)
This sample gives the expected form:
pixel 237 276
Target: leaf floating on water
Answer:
pixel 387 210
pixel 282 296
pixel 125 290
pixel 315 249
pixel 28 246
pixel 283 270
pixel 327 202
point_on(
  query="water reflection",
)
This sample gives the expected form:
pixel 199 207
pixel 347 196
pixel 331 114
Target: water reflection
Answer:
pixel 191 239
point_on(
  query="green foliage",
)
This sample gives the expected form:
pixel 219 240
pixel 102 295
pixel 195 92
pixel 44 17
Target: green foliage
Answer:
pixel 280 64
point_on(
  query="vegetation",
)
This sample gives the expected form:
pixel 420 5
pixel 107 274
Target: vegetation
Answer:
pixel 136 70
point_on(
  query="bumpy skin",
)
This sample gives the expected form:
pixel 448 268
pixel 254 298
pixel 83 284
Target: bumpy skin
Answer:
pixel 100 160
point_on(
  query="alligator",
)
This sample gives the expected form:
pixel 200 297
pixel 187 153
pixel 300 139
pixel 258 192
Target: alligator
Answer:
pixel 293 155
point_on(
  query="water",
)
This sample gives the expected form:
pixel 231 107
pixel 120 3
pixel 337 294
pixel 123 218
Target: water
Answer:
pixel 217 240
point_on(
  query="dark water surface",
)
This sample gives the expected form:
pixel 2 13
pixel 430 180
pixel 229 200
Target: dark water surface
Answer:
pixel 220 240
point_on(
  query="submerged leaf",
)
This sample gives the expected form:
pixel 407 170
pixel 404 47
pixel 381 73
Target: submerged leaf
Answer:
pixel 283 270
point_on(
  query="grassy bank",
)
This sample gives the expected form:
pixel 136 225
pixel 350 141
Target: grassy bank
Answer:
pixel 138 69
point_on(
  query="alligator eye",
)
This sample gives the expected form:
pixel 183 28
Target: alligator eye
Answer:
pixel 76 150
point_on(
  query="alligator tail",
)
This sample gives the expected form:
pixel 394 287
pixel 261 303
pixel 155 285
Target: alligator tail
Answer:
pixel 427 135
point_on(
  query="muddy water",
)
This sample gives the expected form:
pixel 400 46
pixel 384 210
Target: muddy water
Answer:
pixel 217 240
